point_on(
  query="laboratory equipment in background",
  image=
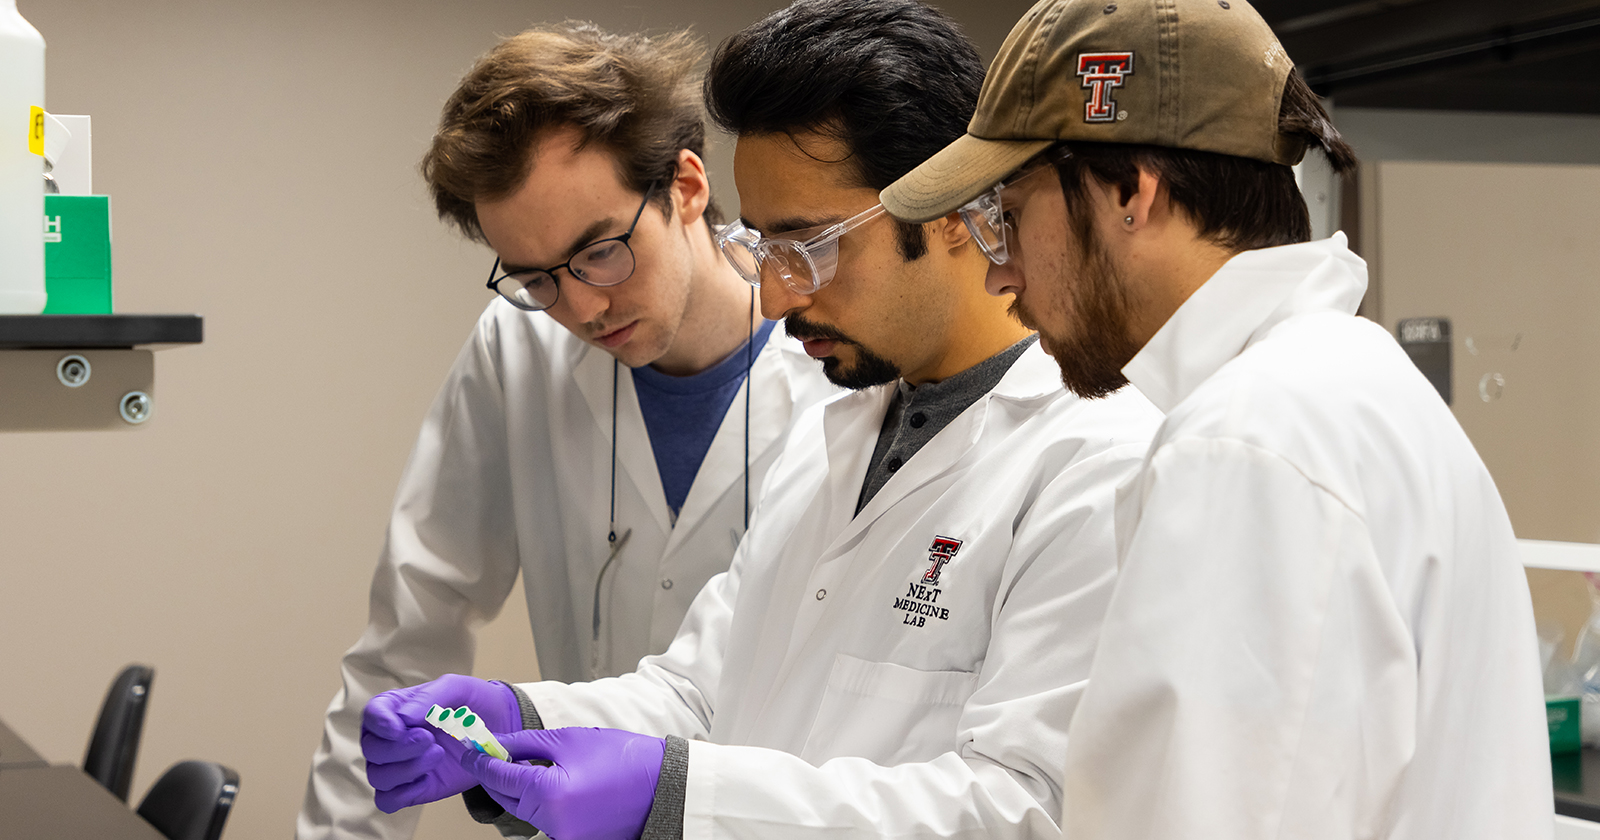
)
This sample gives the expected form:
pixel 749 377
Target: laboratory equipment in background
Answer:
pixel 66 362
pixel 22 127
pixel 77 223
pixel 1427 342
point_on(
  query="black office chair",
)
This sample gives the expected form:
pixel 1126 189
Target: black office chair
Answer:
pixel 191 800
pixel 115 742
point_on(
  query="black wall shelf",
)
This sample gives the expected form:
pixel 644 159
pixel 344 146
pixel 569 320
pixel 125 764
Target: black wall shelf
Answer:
pixel 64 332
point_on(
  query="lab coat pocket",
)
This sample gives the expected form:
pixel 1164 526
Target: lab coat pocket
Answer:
pixel 886 712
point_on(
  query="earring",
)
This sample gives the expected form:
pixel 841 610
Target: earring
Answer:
pixel 1127 220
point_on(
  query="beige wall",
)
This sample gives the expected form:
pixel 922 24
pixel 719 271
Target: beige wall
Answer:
pixel 261 159
pixel 1508 252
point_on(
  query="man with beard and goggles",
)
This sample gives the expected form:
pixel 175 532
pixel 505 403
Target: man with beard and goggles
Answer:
pixel 1320 628
pixel 905 631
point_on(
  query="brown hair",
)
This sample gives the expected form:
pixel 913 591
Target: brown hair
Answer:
pixel 635 96
pixel 1241 204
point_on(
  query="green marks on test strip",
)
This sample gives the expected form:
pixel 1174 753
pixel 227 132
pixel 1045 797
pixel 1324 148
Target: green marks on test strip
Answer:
pixel 455 722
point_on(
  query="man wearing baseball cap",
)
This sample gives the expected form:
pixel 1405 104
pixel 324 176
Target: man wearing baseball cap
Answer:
pixel 1321 628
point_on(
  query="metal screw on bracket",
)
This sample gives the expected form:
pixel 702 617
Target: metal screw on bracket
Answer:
pixel 73 371
pixel 136 407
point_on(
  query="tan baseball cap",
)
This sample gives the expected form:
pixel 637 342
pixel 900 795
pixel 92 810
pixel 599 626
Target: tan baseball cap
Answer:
pixel 1187 74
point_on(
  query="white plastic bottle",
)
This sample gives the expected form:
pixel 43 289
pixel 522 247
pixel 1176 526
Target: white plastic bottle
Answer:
pixel 21 169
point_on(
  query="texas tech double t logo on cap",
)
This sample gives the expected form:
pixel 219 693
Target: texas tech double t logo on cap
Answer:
pixel 1101 73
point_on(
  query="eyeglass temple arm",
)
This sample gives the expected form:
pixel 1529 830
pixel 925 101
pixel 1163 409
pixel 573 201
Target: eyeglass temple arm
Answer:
pixel 848 225
pixel 493 270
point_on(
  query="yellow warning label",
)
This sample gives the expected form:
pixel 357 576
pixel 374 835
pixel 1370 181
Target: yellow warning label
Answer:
pixel 36 130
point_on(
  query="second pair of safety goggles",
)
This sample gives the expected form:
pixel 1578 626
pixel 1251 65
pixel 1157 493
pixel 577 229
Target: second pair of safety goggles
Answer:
pixel 803 260
pixel 986 216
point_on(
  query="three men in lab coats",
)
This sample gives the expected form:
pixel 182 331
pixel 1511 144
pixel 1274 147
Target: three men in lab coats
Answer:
pixel 900 643
pixel 1320 627
pixel 613 425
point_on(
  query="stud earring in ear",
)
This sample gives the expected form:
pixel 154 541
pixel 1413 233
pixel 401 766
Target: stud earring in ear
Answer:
pixel 1127 220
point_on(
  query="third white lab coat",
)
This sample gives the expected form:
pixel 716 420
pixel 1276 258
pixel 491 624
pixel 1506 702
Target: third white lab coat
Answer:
pixel 832 690
pixel 1321 628
pixel 512 473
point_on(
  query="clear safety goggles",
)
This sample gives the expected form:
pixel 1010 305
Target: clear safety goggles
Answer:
pixel 803 260
pixel 988 219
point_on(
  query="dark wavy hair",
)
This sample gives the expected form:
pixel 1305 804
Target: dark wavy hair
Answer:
pixel 892 80
pixel 1238 203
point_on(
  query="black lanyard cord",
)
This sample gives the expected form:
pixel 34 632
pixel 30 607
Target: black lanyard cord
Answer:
pixel 612 537
pixel 616 543
pixel 749 385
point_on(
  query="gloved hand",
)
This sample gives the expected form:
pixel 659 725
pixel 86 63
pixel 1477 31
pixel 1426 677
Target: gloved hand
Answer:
pixel 406 760
pixel 601 787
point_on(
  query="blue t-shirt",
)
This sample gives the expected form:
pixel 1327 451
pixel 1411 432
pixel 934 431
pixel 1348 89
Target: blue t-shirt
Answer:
pixel 682 414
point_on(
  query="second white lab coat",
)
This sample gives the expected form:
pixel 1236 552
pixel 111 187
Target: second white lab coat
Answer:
pixel 512 474
pixel 1321 629
pixel 832 689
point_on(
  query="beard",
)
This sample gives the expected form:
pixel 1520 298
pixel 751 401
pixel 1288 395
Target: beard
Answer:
pixel 869 369
pixel 1090 337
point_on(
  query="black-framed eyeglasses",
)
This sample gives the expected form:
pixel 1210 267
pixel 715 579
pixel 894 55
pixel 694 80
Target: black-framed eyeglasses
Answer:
pixel 604 262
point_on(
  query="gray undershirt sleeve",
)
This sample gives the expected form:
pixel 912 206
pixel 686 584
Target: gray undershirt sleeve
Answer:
pixel 481 806
pixel 666 812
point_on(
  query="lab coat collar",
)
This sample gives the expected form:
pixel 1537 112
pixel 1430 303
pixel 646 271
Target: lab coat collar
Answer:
pixel 1033 375
pixel 636 462
pixel 1249 295
pixel 771 405
pixel 851 425
pixel 724 462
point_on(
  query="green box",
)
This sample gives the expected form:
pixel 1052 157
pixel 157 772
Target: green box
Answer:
pixel 77 254
pixel 1562 713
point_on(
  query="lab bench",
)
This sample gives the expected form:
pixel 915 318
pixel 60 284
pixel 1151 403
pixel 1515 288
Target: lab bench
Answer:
pixel 41 801
pixel 1576 776
pixel 1577 782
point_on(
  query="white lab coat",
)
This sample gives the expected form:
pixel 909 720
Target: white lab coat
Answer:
pixel 1321 627
pixel 831 690
pixel 512 472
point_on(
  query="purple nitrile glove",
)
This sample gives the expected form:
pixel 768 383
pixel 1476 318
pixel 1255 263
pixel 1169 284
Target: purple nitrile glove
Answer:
pixel 601 786
pixel 406 760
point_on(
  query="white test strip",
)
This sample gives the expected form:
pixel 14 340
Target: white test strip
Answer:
pixel 465 726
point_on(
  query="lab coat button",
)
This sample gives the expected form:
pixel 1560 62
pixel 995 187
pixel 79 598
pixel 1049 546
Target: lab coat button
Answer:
pixel 894 464
pixel 822 593
pixel 918 419
pixel 666 583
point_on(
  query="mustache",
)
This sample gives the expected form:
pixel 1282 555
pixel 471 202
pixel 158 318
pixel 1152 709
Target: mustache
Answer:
pixel 599 328
pixel 1022 315
pixel 804 330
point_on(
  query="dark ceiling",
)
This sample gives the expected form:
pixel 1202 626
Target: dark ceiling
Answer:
pixel 1475 55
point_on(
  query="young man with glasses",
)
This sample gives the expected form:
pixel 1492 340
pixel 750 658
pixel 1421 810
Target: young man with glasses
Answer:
pixel 596 434
pixel 1320 628
pixel 901 640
